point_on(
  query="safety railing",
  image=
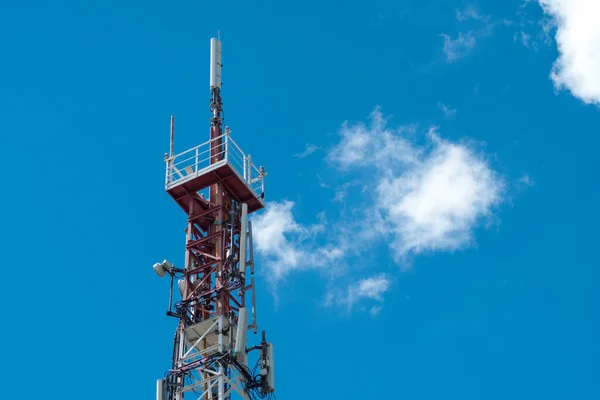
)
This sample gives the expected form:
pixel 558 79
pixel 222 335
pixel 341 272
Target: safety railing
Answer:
pixel 211 155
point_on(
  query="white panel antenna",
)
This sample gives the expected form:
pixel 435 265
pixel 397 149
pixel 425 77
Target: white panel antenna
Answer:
pixel 241 334
pixel 271 374
pixel 243 238
pixel 215 63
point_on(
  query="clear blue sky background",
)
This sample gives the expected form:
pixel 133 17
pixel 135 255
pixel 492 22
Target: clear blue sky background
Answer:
pixel 86 90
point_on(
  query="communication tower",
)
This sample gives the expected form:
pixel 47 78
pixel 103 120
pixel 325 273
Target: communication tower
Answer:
pixel 217 185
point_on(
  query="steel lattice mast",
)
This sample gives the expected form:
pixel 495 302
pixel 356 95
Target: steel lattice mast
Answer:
pixel 210 356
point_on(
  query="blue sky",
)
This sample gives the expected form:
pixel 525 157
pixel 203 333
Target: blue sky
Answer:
pixel 432 189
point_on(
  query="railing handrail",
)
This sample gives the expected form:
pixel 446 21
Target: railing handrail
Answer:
pixel 197 146
pixel 197 154
pixel 228 151
pixel 174 166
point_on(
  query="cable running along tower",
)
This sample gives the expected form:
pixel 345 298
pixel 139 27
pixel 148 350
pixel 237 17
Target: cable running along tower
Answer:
pixel 217 185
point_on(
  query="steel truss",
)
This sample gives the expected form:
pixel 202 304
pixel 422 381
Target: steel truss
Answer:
pixel 209 356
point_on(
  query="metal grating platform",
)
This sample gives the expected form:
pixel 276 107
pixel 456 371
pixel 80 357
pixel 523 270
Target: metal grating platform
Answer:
pixel 219 160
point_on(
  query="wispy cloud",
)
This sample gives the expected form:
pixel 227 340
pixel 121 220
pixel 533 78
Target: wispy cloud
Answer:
pixel 308 150
pixel 459 47
pixel 372 288
pixel 578 40
pixel 463 43
pixel 522 37
pixel 526 180
pixel 531 32
pixel 375 310
pixel 448 111
pixel 412 197
pixel 471 12
pixel 287 245
pixel 322 183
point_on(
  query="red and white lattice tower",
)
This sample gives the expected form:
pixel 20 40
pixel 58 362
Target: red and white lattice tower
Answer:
pixel 217 185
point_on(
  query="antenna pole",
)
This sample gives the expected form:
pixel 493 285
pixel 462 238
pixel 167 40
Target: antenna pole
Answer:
pixel 172 138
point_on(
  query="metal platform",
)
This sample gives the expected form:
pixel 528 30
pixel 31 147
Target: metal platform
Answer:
pixel 219 160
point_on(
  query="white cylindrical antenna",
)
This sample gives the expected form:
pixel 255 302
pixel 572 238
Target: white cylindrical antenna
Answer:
pixel 160 393
pixel 243 238
pixel 215 63
pixel 271 374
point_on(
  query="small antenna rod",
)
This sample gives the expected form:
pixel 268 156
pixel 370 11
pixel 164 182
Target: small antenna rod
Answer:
pixel 172 138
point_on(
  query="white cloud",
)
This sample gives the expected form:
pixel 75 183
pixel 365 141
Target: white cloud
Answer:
pixel 367 145
pixel 526 180
pixel 460 47
pixel 447 110
pixel 470 12
pixel 375 310
pixel 464 42
pixel 426 197
pixel 352 152
pixel 286 245
pixel 273 230
pixel 435 204
pixel 322 182
pixel 523 37
pixel 531 31
pixel 308 150
pixel 413 197
pixel 372 288
pixel 577 68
